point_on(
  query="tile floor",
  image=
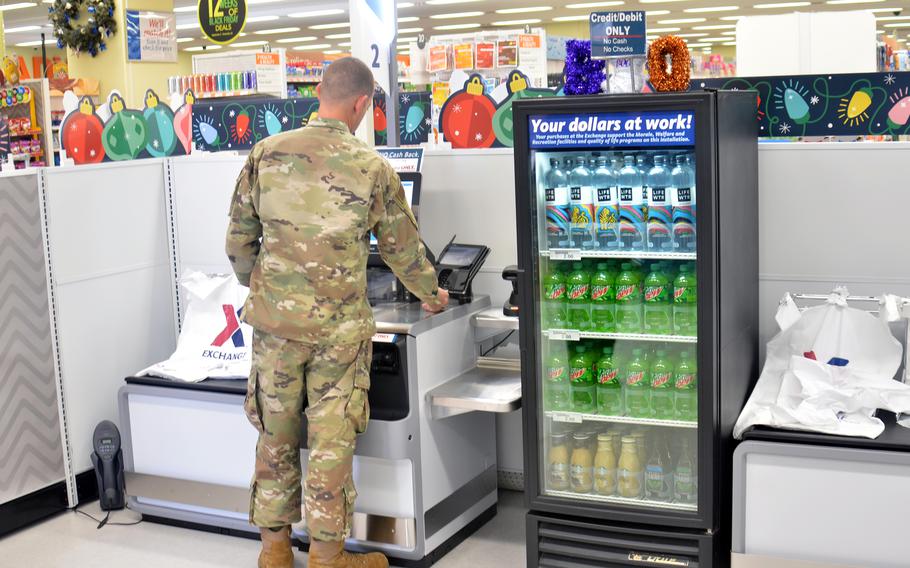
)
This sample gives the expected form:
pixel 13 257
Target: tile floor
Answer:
pixel 71 540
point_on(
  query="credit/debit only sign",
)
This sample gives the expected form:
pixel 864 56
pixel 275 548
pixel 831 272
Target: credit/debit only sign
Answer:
pixel 612 129
pixel 618 34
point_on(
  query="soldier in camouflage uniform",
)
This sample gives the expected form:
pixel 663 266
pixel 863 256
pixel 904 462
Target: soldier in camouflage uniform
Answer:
pixel 300 221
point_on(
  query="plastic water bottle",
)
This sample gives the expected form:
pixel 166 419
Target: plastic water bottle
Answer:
pixel 662 387
pixel 581 380
pixel 641 162
pixel 632 217
pixel 603 299
pixel 606 206
pixel 660 236
pixel 659 473
pixel 556 196
pixel 581 205
pixel 658 298
pixel 609 388
pixel 685 385
pixel 554 298
pixel 578 297
pixel 556 388
pixel 686 486
pixel 637 391
pixel 628 300
pixel 683 205
pixel 685 302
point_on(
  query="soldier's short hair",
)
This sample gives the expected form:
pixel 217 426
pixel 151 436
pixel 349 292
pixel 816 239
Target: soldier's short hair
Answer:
pixel 346 78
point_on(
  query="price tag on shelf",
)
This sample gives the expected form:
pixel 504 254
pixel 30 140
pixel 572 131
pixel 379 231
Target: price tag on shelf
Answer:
pixel 564 334
pixel 567 417
pixel 565 254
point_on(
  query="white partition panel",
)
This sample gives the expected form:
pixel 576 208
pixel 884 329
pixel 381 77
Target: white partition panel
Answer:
pixel 200 196
pixel 108 250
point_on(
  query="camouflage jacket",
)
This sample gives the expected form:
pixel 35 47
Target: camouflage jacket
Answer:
pixel 299 234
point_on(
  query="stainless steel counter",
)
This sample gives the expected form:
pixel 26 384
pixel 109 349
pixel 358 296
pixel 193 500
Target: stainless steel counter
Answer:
pixel 411 319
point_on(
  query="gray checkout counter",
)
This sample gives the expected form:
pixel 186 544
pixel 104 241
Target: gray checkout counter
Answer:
pixel 425 470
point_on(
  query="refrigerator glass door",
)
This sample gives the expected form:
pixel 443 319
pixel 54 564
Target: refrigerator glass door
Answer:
pixel 616 267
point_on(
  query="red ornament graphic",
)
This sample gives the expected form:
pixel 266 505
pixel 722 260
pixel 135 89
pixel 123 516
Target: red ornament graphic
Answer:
pixel 379 119
pixel 467 116
pixel 82 134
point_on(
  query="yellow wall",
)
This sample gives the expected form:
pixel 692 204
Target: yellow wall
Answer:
pixel 575 30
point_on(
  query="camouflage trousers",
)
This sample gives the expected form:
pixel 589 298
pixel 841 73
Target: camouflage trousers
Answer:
pixel 333 380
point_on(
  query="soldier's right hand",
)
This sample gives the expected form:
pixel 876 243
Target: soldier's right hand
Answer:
pixel 442 300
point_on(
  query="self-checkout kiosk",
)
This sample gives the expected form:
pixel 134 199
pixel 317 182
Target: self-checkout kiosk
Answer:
pixel 425 470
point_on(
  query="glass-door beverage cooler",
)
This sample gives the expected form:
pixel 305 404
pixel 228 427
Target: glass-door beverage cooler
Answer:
pixel 638 256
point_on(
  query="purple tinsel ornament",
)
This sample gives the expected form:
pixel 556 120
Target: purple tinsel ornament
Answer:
pixel 584 75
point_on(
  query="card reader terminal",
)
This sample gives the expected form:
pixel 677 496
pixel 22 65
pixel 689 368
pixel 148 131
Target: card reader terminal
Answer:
pixel 457 266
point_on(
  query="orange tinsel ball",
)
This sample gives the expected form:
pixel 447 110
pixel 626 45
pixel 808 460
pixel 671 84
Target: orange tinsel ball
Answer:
pixel 676 48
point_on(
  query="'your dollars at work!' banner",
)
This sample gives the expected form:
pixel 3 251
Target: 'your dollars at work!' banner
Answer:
pixel 612 129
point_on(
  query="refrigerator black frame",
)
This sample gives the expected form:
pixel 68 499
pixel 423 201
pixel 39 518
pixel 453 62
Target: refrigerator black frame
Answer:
pixel 703 104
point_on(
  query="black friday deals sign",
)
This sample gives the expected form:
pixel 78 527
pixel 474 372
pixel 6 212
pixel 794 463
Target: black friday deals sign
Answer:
pixel 222 21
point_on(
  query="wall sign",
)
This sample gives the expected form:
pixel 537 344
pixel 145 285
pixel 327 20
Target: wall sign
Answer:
pixel 222 20
pixel 612 129
pixel 618 34
pixel 151 36
pixel 403 159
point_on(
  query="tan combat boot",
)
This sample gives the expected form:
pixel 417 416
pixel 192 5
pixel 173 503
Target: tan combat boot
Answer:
pixel 332 555
pixel 276 549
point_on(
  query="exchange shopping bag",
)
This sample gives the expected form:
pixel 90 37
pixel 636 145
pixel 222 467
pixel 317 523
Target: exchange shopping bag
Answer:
pixel 828 370
pixel 213 342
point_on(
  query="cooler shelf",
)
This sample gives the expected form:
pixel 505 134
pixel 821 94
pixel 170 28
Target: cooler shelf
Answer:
pixel 623 500
pixel 578 417
pixel 575 335
pixel 578 254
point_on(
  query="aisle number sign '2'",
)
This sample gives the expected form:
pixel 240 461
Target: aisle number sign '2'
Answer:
pixel 222 20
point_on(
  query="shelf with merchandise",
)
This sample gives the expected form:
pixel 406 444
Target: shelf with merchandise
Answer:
pixel 569 417
pixel 575 335
pixel 578 254
pixel 623 500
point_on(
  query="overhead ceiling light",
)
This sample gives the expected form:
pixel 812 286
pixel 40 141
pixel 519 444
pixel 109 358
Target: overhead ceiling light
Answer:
pixel 36 43
pixel 338 36
pixel 192 26
pixel 202 48
pixel 657 12
pixel 314 47
pixel 528 9
pixel 682 21
pixel 277 31
pixel 182 9
pixel 457 27
pixel 184 39
pixel 782 5
pixel 517 22
pixel 316 13
pixel 571 18
pixel 729 43
pixel 728 33
pixel 295 39
pixel 344 44
pixel 17 6
pixel 853 1
pixel 732 18
pixel 446 2
pixel 663 30
pixel 248 43
pixel 659 1
pixel 714 39
pixel 22 29
pixel 452 15
pixel 716 27
pixel 330 26
pixel 401 5
pixel 332 51
pixel 407 39
pixel 695 45
pixel 690 35
pixel 409 30
pixel 902 25
pixel 892 10
pixel 594 4
pixel 257 19
pixel 892 18
pixel 407 19
pixel 711 9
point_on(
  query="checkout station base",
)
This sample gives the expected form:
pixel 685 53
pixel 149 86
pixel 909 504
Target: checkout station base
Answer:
pixel 425 470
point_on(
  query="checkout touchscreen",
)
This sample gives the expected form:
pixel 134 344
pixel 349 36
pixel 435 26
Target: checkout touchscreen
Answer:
pixel 408 186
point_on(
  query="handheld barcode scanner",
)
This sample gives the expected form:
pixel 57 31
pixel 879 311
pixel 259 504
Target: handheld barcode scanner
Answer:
pixel 108 461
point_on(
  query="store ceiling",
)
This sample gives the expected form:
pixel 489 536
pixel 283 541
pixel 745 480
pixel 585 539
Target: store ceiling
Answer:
pixel 321 25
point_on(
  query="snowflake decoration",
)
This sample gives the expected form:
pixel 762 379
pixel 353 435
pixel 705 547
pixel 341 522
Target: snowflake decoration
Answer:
pixel 784 128
pixel 210 108
pixel 405 98
pixel 232 114
pixel 91 153
pixel 456 108
pixel 457 133
pixel 814 100
pixel 889 79
pixel 428 121
pixel 478 137
pixel 284 120
pixel 155 143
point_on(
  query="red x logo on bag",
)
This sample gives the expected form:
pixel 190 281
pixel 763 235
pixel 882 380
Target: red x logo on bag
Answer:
pixel 231 330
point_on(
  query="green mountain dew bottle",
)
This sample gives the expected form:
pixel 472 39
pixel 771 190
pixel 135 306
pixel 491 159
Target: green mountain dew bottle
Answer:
pixel 685 302
pixel 581 377
pixel 685 383
pixel 662 390
pixel 556 384
pixel 658 307
pixel 609 388
pixel 603 299
pixel 637 392
pixel 554 298
pixel 628 300
pixel 578 294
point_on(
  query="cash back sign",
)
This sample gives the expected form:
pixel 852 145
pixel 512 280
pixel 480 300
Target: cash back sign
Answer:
pixel 222 20
pixel 618 34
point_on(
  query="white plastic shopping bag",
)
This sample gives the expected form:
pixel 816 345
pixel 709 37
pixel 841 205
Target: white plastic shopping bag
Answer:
pixel 213 342
pixel 828 371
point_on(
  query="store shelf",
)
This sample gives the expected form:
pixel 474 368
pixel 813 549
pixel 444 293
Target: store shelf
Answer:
pixel 578 418
pixel 623 501
pixel 28 155
pixel 480 389
pixel 226 94
pixel 578 254
pixel 493 318
pixel 30 133
pixel 311 81
pixel 575 335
